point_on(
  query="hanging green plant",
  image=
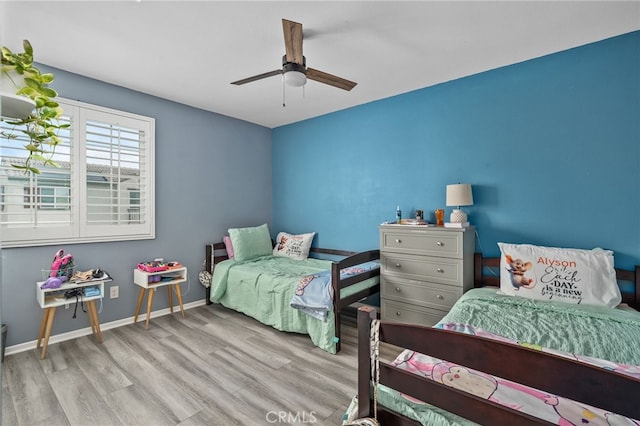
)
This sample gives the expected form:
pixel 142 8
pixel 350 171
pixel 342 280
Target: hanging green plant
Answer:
pixel 42 124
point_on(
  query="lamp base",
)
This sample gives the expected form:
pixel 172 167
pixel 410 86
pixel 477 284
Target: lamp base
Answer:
pixel 457 216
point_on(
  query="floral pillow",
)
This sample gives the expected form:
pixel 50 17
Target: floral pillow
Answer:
pixel 293 246
pixel 565 275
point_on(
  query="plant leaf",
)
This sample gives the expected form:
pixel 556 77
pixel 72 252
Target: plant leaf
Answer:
pixel 46 78
pixel 28 49
pixel 48 91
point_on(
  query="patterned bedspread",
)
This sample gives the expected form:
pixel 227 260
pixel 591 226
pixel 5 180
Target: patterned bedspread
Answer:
pixel 543 405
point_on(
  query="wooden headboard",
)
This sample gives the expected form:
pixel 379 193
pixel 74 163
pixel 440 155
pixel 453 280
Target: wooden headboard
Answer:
pixel 481 278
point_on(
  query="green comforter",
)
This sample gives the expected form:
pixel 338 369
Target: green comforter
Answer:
pixel 263 287
pixel 612 334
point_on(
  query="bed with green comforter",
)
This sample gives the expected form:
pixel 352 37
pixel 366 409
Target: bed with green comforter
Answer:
pixel 263 288
pixel 580 331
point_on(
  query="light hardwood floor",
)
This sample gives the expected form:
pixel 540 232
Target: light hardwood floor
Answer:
pixel 215 367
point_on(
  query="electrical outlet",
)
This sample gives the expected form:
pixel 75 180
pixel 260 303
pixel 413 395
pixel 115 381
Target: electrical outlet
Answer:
pixel 114 292
pixel 66 306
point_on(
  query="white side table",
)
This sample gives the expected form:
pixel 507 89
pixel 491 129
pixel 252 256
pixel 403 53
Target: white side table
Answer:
pixel 171 278
pixel 50 298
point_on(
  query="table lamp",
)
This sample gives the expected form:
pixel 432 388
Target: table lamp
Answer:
pixel 459 195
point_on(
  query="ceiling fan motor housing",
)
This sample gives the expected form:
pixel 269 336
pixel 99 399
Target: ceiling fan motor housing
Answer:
pixel 294 74
pixel 292 66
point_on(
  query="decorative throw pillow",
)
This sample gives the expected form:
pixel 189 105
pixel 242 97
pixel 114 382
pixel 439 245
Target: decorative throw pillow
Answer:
pixel 229 246
pixel 293 246
pixel 250 242
pixel 567 275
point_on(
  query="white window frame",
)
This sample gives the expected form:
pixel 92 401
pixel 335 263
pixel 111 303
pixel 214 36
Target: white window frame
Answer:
pixel 79 229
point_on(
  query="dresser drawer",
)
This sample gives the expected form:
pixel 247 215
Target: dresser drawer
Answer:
pixel 435 269
pixel 421 293
pixel 416 241
pixel 411 314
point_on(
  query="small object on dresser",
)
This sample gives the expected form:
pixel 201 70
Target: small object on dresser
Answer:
pixel 456 224
pixel 398 215
pixel 155 266
pixel 412 222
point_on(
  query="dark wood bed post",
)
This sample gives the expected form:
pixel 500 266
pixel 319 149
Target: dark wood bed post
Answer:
pixel 211 260
pixel 335 279
pixel 365 315
pixel 209 267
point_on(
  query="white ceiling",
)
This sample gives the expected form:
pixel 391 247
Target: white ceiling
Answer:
pixel 190 51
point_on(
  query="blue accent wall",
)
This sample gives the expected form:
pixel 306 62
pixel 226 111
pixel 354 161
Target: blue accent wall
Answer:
pixel 212 173
pixel 551 147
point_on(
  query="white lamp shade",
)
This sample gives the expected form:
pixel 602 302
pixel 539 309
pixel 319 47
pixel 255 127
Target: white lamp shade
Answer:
pixel 459 195
pixel 295 78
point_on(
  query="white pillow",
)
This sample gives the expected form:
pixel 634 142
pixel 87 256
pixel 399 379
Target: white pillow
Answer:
pixel 293 246
pixel 565 275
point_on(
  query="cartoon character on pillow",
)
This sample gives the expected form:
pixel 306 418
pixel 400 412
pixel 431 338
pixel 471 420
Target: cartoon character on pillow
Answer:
pixel 517 268
pixel 282 243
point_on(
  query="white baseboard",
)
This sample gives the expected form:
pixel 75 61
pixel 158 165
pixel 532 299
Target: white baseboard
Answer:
pixel 27 346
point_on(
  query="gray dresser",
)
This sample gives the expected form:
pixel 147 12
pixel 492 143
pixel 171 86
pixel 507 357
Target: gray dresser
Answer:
pixel 424 270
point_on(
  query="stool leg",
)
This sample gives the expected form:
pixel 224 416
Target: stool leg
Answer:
pixel 50 317
pixel 93 314
pixel 149 303
pixel 43 324
pixel 140 297
pixel 177 288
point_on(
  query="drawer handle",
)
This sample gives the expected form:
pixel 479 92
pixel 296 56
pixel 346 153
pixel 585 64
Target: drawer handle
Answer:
pixel 398 289
pixel 439 296
pixel 398 240
pixel 439 243
pixel 440 270
pixel 398 313
pixel 398 265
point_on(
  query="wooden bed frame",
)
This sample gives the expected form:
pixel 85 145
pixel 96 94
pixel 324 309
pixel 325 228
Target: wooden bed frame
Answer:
pixel 216 253
pixel 599 388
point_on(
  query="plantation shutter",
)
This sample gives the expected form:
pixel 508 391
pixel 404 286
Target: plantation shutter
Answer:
pixel 35 206
pixel 117 166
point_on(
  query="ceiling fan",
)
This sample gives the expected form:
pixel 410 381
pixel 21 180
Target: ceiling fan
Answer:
pixel 294 64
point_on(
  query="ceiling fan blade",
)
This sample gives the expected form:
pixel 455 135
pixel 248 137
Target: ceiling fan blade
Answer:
pixel 293 41
pixel 330 79
pixel 257 77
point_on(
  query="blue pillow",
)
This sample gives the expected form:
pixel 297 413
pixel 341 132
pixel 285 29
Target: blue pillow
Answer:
pixel 250 242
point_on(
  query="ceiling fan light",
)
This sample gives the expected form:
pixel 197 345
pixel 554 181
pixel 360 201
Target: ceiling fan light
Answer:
pixel 295 78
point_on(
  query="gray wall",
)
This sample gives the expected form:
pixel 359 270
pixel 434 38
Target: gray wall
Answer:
pixel 212 172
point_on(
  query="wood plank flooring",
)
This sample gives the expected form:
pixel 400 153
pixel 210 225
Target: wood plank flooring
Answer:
pixel 215 367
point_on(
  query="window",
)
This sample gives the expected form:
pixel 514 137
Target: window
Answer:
pixel 102 189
